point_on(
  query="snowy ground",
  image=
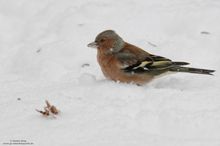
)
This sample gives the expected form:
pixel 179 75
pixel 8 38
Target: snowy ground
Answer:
pixel 43 55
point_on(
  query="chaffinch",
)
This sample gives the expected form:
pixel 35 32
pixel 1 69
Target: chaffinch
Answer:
pixel 124 62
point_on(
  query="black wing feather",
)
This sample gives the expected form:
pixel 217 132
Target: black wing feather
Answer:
pixel 151 63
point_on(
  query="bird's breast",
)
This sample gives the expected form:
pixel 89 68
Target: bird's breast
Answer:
pixel 108 65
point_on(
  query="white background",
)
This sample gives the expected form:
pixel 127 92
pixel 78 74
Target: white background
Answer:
pixel 43 54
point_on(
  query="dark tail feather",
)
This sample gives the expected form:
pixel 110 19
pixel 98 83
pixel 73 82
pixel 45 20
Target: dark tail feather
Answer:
pixel 180 63
pixel 192 70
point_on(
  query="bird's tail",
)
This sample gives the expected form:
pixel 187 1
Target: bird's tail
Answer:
pixel 177 68
pixel 179 63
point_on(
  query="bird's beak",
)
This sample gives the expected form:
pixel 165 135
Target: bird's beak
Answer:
pixel 93 45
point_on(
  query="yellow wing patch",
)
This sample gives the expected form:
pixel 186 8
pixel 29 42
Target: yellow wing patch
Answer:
pixel 160 63
pixel 155 64
pixel 143 64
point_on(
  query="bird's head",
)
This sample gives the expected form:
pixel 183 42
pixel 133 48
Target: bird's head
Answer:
pixel 109 41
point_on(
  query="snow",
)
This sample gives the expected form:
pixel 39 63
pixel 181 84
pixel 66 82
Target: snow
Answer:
pixel 43 55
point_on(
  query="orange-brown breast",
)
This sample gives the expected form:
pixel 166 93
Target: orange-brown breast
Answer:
pixel 107 63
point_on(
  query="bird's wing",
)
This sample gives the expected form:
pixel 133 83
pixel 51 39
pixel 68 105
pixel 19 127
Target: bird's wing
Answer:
pixel 149 63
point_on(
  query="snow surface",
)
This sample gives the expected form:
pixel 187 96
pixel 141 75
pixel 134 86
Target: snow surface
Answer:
pixel 43 55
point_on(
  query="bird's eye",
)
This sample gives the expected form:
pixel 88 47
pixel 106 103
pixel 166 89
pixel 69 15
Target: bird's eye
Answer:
pixel 102 40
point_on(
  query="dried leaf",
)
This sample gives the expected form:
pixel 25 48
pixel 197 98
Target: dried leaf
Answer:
pixel 45 113
pixel 54 110
pixel 49 110
pixel 47 103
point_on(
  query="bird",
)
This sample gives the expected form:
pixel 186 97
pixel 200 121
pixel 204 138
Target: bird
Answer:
pixel 123 62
